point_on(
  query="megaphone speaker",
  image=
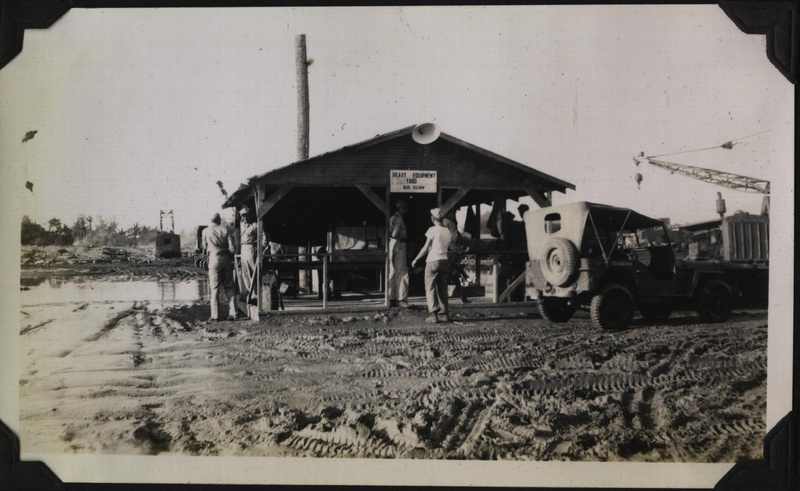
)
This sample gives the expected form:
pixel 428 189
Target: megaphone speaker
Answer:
pixel 425 133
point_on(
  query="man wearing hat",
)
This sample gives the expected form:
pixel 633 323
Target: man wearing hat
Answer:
pixel 249 251
pixel 437 266
pixel 218 242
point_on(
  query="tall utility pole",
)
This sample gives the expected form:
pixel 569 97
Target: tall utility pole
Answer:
pixel 301 62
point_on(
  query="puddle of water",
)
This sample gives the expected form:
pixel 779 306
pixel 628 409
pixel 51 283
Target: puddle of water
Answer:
pixel 80 289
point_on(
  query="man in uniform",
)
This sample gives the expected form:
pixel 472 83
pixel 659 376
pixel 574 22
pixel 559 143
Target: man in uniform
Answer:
pixel 249 250
pixel 437 244
pixel 218 243
pixel 398 262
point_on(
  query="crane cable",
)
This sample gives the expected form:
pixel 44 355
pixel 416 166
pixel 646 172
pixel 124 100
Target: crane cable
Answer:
pixel 727 145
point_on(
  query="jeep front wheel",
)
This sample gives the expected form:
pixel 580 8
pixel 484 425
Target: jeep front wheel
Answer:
pixel 560 261
pixel 612 308
pixel 555 310
pixel 715 301
pixel 656 311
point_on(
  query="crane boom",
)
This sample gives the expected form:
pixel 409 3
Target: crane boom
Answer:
pixel 720 178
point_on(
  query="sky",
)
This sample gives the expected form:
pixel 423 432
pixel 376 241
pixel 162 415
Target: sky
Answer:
pixel 143 110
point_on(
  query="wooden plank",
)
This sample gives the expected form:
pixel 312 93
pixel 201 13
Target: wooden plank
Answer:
pixel 376 200
pixel 267 205
pixel 543 200
pixel 514 284
pixel 454 199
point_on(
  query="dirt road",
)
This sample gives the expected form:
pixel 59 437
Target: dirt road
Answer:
pixel 491 385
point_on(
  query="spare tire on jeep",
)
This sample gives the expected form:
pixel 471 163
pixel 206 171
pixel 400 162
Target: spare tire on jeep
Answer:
pixel 560 261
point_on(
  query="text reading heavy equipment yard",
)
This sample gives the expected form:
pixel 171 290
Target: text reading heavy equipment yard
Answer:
pixel 150 376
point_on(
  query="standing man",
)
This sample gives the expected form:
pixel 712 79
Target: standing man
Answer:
pixel 249 251
pixel 398 267
pixel 454 256
pixel 436 267
pixel 218 242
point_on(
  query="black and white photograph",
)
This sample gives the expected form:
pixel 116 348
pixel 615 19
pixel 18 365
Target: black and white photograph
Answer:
pixel 425 245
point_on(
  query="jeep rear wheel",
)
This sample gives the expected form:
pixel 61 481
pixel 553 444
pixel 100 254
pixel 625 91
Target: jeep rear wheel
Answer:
pixel 560 261
pixel 555 310
pixel 612 308
pixel 715 301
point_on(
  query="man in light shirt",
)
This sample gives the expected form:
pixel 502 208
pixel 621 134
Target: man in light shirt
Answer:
pixel 249 249
pixel 436 267
pixel 218 242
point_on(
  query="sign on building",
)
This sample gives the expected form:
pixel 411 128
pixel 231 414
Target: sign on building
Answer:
pixel 413 181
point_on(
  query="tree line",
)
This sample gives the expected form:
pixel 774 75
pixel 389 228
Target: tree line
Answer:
pixel 86 230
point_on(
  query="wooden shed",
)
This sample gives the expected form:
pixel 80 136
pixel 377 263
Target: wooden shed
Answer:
pixel 356 187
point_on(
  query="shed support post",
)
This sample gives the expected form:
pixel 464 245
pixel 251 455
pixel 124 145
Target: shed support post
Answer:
pixel 542 199
pixel 325 281
pixel 265 205
pixel 453 200
pixel 260 191
pixel 328 257
pixel 513 286
pixel 376 200
pixel 496 279
pixel 386 246
pixel 477 256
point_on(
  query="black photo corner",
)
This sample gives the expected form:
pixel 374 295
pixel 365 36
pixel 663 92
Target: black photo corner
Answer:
pixel 778 21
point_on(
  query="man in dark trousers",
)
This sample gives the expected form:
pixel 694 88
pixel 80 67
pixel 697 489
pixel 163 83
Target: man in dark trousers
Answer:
pixel 437 267
pixel 249 250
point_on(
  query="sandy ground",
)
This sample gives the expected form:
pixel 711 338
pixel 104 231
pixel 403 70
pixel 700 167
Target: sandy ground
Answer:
pixel 498 383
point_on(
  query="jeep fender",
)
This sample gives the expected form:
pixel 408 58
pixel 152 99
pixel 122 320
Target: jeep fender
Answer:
pixel 699 278
pixel 619 277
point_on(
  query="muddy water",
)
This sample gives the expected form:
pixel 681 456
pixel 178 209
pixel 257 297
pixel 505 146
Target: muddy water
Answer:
pixel 79 290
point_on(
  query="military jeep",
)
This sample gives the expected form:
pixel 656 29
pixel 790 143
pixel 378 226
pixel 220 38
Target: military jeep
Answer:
pixel 614 261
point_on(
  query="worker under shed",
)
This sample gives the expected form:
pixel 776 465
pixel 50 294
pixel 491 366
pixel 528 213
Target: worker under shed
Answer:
pixel 343 199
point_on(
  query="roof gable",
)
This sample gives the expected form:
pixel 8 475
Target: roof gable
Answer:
pixel 458 163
